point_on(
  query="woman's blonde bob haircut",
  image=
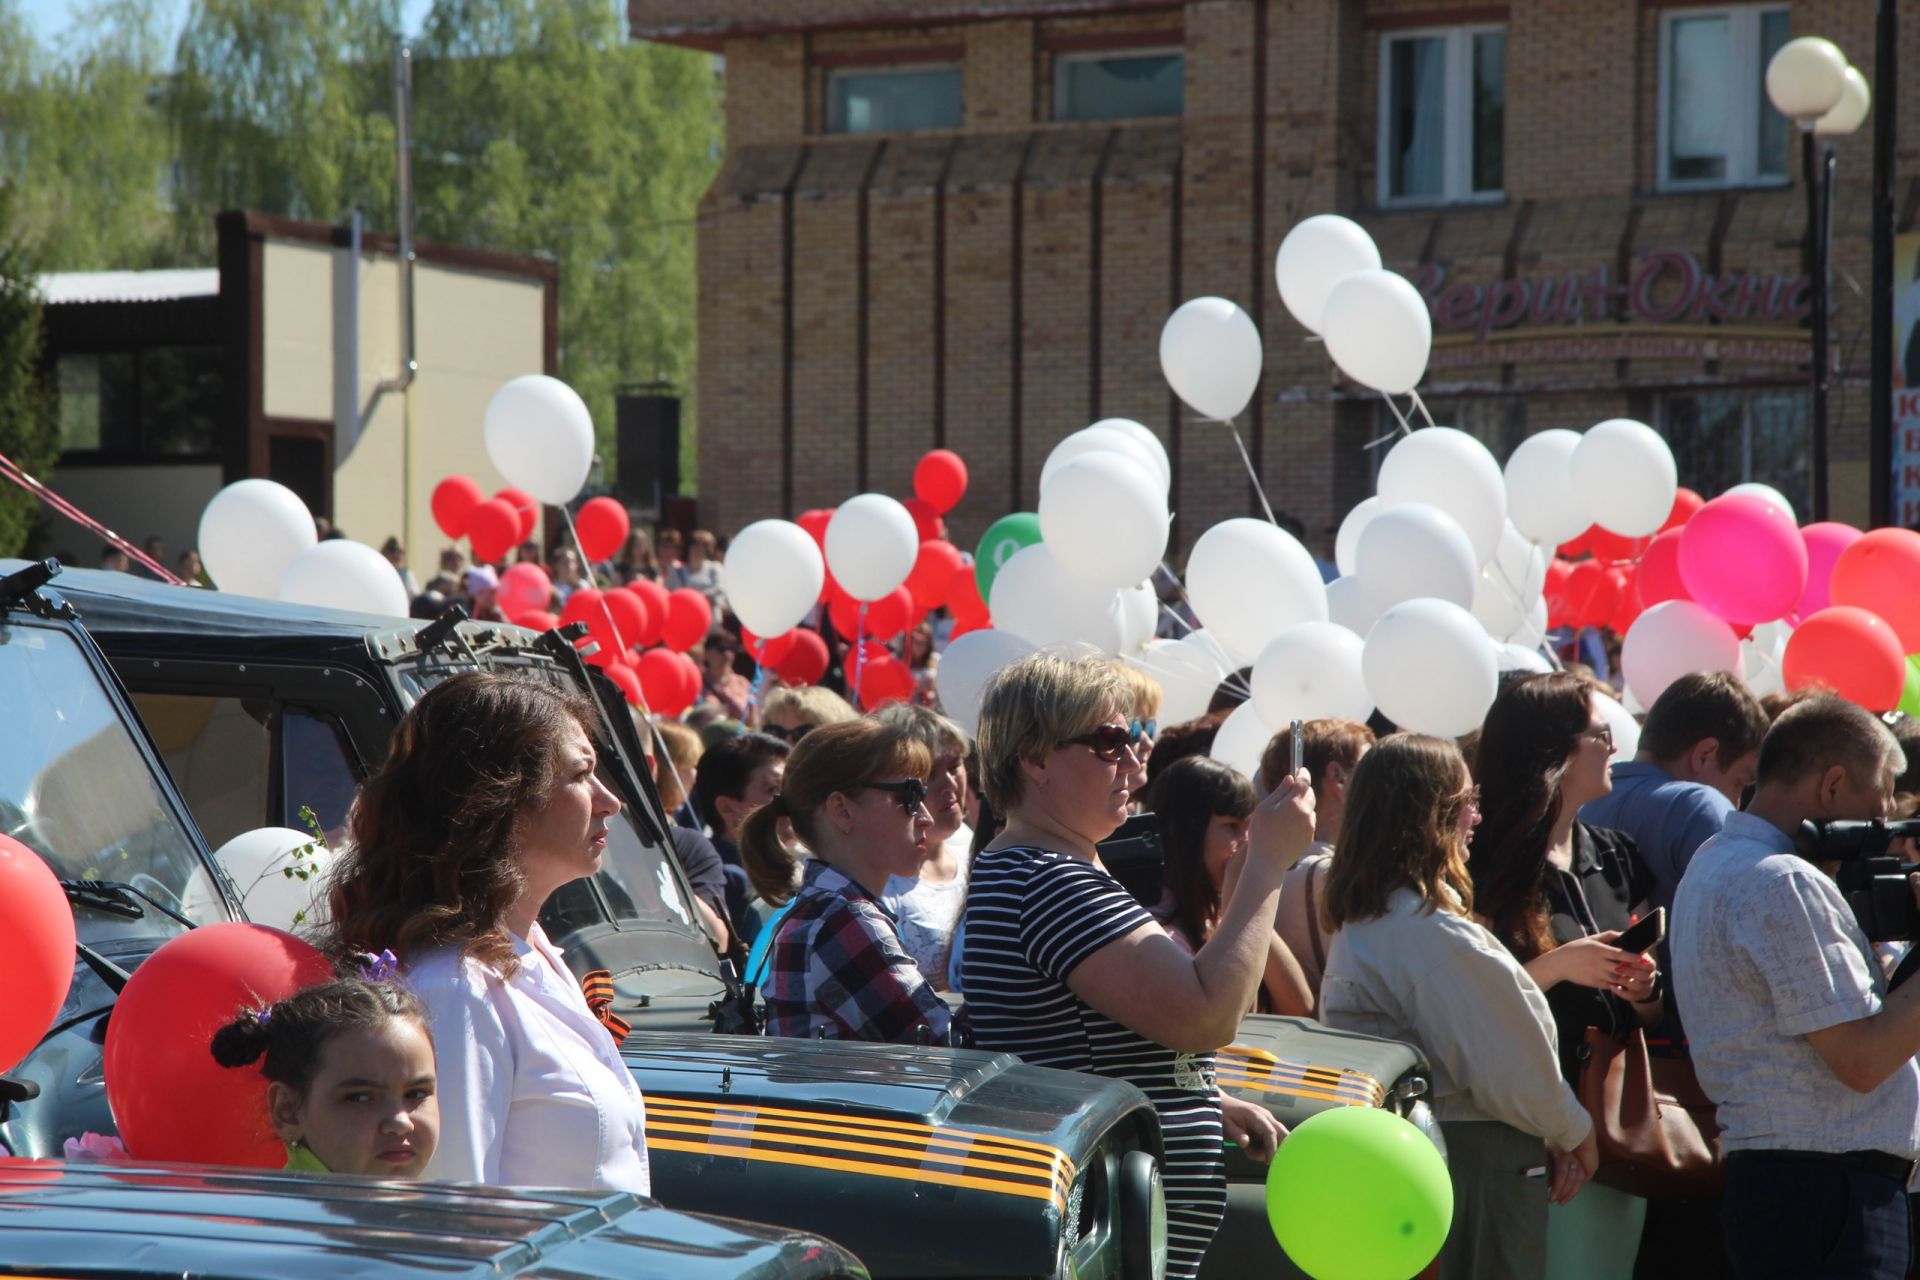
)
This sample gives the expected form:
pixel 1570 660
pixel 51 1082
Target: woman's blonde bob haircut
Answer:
pixel 1144 692
pixel 809 704
pixel 1031 706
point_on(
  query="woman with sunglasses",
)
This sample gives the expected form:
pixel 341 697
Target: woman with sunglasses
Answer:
pixel 789 713
pixel 855 794
pixel 1557 892
pixel 1061 966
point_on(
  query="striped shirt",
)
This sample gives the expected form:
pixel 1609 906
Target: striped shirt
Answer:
pixel 1032 916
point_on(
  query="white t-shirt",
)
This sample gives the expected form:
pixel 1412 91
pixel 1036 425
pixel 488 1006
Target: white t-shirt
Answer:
pixel 925 913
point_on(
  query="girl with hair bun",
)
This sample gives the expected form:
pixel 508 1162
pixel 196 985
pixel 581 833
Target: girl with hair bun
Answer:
pixel 350 1073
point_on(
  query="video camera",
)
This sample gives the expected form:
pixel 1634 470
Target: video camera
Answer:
pixel 1872 879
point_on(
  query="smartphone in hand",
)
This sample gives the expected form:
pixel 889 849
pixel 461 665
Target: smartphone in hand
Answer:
pixel 1647 934
pixel 1298 747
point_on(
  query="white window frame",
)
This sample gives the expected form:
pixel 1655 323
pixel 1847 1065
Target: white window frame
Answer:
pixel 1743 136
pixel 1061 61
pixel 898 68
pixel 1456 128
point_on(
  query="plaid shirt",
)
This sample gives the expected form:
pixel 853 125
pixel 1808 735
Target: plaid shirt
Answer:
pixel 836 967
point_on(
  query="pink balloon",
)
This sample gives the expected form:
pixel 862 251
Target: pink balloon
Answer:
pixel 1825 541
pixel 524 588
pixel 1743 559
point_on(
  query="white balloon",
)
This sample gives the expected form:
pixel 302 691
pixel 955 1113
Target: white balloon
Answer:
pixel 1430 668
pixel 1249 581
pixel 1509 584
pixel 1037 598
pixel 1311 672
pixel 1517 657
pixel 1540 497
pixel 1241 740
pixel 872 543
pixel 1415 550
pixel 1673 639
pixel 1188 673
pixel 1145 438
pixel 1139 615
pixel 1760 657
pixel 1624 477
pixel 1105 518
pixel 249 532
pixel 1626 730
pixel 1208 643
pixel 539 436
pixel 1453 472
pixel 257 861
pixel 1535 632
pixel 1346 543
pixel 1210 353
pixel 1100 438
pixel 1767 492
pixel 1348 605
pixel 1317 255
pixel 965 667
pixel 1378 330
pixel 774 576
pixel 339 574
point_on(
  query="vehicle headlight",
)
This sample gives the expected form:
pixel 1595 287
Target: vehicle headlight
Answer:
pixel 1143 1218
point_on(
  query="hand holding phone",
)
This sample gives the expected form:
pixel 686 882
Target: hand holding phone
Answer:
pixel 1645 935
pixel 1298 746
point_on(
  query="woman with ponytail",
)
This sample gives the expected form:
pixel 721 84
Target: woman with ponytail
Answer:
pixel 855 795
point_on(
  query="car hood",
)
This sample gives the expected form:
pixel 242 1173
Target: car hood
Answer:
pixel 132 1219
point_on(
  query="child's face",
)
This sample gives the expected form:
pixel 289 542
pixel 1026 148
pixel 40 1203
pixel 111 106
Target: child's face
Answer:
pixel 371 1107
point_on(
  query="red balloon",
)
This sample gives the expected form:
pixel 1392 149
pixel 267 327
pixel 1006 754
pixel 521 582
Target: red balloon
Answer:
pixel 815 522
pixel 655 597
pixel 629 683
pixel 961 626
pixel 170 1099
pixel 689 618
pixel 1590 594
pixel 1555 592
pixel 940 480
pixel 884 680
pixel 629 613
pixel 524 588
pixel 886 617
pixel 38 926
pixel 1578 546
pixel 525 510
pixel 1685 503
pixel 493 529
pixel 1611 548
pixel 589 605
pixel 691 681
pixel 603 526
pixel 931 580
pixel 1881 573
pixel 1848 650
pixel 806 662
pixel 963 598
pixel 663 681
pixel 926 520
pixel 768 652
pixel 1658 578
pixel 535 619
pixel 453 502
pixel 1626 606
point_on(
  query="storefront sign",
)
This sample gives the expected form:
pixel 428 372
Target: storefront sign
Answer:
pixel 1667 287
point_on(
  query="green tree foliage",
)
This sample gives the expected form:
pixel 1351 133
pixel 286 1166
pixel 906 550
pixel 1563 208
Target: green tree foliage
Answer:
pixel 29 431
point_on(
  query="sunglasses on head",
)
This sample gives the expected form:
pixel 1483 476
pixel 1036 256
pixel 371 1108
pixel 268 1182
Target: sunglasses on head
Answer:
pixel 910 792
pixel 1107 741
pixel 786 735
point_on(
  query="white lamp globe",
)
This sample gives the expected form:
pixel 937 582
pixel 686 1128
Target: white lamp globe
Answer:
pixel 1806 78
pixel 1850 112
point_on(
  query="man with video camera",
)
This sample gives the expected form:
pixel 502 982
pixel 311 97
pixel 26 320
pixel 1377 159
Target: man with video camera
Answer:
pixel 1793 1033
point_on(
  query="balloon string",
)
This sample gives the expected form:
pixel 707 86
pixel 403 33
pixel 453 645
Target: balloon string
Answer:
pixel 1233 678
pixel 1399 417
pixel 11 470
pixel 859 652
pixel 1421 405
pixel 586 567
pixel 1251 474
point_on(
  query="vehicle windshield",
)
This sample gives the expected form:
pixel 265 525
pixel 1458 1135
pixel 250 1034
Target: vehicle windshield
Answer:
pixel 636 878
pixel 76 789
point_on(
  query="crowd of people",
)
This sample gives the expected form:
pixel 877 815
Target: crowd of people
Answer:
pixel 888 877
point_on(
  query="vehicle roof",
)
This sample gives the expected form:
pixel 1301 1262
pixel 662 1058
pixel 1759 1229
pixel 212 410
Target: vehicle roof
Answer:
pixel 77 1218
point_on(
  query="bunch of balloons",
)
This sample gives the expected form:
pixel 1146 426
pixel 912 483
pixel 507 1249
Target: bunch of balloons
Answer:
pixel 257 538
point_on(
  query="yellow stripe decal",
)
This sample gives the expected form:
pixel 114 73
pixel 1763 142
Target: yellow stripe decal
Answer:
pixel 938 1176
pixel 1249 1066
pixel 1352 1089
pixel 751 1136
pixel 867 1122
pixel 964 1142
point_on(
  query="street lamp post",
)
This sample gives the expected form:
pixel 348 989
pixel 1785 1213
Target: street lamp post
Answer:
pixel 1811 84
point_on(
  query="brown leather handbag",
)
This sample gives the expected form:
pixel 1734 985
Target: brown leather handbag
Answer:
pixel 1656 1129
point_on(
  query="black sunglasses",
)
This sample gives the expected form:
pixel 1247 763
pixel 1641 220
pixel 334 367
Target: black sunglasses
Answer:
pixel 1106 740
pixel 786 735
pixel 910 792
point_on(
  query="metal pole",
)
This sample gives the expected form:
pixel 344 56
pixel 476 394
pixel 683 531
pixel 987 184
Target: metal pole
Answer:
pixel 1886 80
pixel 1817 234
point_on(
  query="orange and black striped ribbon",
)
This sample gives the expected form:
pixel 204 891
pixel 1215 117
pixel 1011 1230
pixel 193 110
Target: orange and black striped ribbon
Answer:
pixel 597 986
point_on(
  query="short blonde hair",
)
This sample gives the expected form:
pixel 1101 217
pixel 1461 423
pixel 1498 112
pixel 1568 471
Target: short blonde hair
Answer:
pixel 672 775
pixel 939 735
pixel 1144 691
pixel 1031 706
pixel 808 703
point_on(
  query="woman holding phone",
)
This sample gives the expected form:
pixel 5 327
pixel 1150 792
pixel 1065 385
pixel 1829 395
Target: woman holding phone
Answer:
pixel 1062 967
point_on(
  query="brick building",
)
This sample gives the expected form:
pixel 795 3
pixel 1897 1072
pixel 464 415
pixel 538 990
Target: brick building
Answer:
pixel 962 223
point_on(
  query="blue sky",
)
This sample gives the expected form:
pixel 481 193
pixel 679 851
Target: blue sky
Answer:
pixel 52 19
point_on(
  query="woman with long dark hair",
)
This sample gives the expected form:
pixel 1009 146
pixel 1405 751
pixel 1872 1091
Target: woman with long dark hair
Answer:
pixel 487 804
pixel 1557 892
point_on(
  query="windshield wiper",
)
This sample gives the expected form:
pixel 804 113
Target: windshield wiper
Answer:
pixel 116 897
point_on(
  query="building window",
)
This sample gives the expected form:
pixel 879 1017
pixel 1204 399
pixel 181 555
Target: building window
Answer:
pixel 1724 438
pixel 1717 128
pixel 893 101
pixel 154 402
pixel 1119 86
pixel 1443 98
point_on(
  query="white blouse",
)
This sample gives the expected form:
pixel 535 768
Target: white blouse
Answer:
pixel 532 1089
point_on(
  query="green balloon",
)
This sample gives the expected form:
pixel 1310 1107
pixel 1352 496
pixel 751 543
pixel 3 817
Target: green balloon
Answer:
pixel 1357 1193
pixel 1910 697
pixel 998 544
